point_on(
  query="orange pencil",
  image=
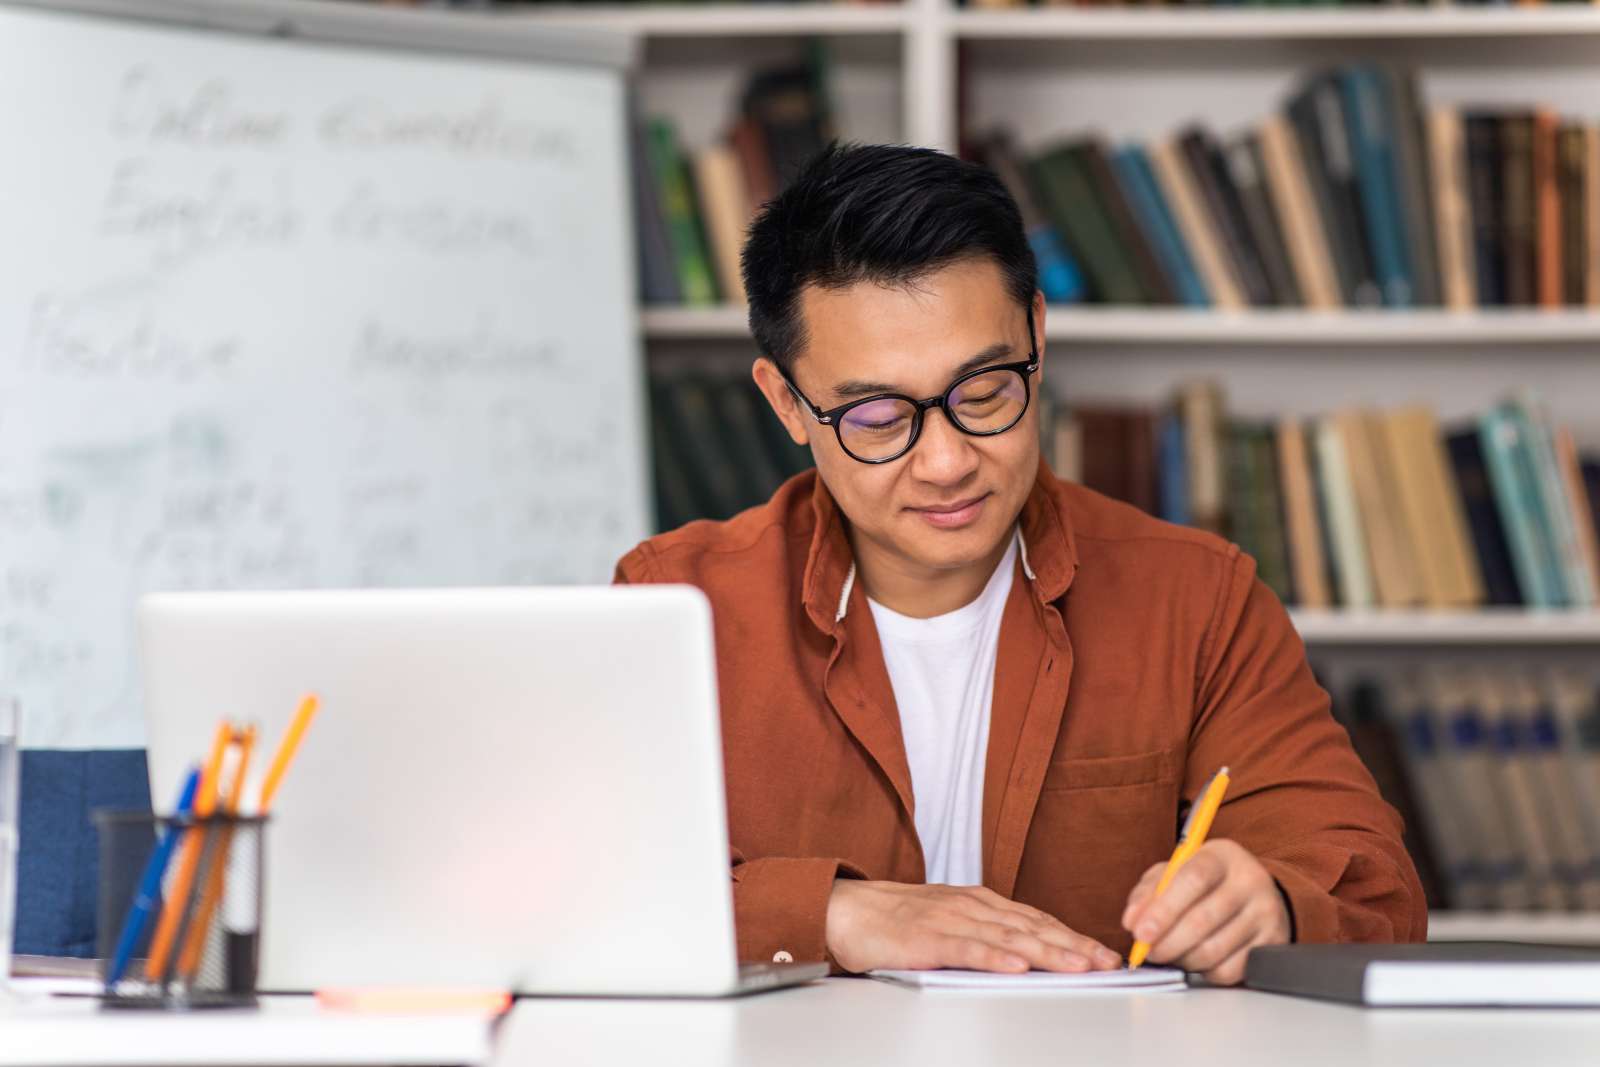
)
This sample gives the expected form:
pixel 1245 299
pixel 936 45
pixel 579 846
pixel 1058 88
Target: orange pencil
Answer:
pixel 172 911
pixel 195 940
pixel 286 750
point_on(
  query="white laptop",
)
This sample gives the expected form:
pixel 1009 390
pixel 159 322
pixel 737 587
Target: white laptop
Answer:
pixel 504 788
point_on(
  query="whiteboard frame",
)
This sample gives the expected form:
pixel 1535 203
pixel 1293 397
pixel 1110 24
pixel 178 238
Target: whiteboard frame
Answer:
pixel 367 24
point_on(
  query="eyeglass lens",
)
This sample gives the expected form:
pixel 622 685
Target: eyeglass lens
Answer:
pixel 985 404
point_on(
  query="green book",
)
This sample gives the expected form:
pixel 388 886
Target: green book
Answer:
pixel 1273 562
pixel 681 211
pixel 1515 483
pixel 1068 198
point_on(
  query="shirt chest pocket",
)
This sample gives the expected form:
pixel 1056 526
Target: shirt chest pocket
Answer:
pixel 1109 817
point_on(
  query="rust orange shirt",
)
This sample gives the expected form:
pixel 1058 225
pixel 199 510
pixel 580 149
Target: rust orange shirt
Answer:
pixel 1136 658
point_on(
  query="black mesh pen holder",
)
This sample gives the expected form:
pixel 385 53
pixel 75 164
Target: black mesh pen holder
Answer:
pixel 179 909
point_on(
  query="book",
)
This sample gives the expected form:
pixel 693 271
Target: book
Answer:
pixel 1415 179
pixel 1194 223
pixel 1508 459
pixel 1352 569
pixel 1242 157
pixel 1486 205
pixel 1591 229
pixel 1572 159
pixel 1578 504
pixel 1316 113
pixel 677 198
pixel 786 104
pixel 1490 547
pixel 1389 549
pixel 1518 229
pixel 1067 196
pixel 1202 158
pixel 1369 126
pixel 1296 210
pixel 1362 711
pixel 1437 974
pixel 1119 454
pixel 1160 230
pixel 1060 277
pixel 1200 406
pixel 725 210
pixel 1452 213
pixel 1301 521
pixel 760 180
pixel 1153 280
pixel 1431 509
pixel 1172 489
pixel 658 277
pixel 1554 510
pixel 1548 282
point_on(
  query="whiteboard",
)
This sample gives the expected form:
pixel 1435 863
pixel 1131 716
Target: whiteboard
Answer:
pixel 278 313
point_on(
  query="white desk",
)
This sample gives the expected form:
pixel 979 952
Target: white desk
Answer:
pixel 286 1031
pixel 846 1022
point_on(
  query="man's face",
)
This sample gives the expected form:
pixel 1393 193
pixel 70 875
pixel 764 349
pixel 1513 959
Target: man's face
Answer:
pixel 950 501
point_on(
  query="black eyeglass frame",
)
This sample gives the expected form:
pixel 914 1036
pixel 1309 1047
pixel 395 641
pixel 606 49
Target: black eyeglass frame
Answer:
pixel 834 416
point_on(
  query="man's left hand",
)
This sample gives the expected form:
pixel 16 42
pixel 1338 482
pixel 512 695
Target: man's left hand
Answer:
pixel 1220 905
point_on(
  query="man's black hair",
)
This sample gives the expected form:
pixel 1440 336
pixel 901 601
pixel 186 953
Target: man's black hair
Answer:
pixel 887 214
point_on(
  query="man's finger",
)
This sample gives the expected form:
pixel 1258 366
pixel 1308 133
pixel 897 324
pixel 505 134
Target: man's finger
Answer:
pixel 1231 970
pixel 1050 930
pixel 1044 955
pixel 976 955
pixel 1141 893
pixel 1239 933
pixel 1195 879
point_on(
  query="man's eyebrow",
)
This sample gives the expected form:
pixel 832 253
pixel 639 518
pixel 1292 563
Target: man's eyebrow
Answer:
pixel 855 387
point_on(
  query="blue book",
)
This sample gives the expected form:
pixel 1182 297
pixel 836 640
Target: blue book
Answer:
pixel 1515 482
pixel 1150 210
pixel 1172 470
pixel 1372 146
pixel 1060 277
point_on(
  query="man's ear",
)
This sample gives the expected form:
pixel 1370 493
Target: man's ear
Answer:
pixel 1036 320
pixel 770 381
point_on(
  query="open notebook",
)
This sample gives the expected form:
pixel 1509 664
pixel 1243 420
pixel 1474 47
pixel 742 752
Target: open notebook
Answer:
pixel 1140 980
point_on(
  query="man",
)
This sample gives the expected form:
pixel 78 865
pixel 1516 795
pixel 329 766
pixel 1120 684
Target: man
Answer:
pixel 965 704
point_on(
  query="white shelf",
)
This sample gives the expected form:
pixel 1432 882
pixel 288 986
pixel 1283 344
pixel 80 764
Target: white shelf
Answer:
pixel 1298 326
pixel 694 323
pixel 1549 927
pixel 722 19
pixel 1221 24
pixel 1490 626
pixel 1290 326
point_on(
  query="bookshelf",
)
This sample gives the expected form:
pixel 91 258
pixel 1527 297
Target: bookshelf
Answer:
pixel 1140 73
pixel 1414 330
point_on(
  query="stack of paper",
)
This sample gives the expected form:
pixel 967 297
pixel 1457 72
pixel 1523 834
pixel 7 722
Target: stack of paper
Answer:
pixel 1142 980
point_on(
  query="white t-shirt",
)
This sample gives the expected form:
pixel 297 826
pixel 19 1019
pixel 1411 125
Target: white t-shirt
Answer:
pixel 942 670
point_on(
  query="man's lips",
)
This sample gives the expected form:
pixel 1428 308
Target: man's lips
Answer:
pixel 954 514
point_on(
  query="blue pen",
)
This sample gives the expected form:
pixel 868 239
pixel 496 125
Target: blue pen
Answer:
pixel 150 883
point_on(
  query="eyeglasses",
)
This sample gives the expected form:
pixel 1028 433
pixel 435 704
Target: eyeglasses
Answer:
pixel 882 428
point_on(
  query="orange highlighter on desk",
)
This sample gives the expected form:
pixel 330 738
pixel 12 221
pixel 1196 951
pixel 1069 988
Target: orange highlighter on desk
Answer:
pixel 1195 828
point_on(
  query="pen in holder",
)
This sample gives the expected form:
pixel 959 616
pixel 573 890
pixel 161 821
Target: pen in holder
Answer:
pixel 179 909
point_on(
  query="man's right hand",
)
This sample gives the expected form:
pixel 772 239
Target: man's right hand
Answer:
pixel 923 927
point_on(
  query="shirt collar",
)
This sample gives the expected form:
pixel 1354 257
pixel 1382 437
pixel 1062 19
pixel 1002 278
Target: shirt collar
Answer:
pixel 1049 554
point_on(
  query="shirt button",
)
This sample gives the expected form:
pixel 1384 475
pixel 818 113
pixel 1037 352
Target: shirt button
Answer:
pixel 782 956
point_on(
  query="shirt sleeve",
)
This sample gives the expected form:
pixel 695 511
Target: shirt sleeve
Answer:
pixel 1300 799
pixel 780 903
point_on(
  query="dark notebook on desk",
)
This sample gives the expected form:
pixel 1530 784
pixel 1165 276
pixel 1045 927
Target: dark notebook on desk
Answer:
pixel 1439 974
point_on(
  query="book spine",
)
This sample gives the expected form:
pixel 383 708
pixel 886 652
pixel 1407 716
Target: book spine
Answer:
pixel 1547 210
pixel 1243 161
pixel 1199 235
pixel 1485 182
pixel 1519 245
pixel 678 209
pixel 1221 205
pixel 1372 147
pixel 1156 286
pixel 1150 215
pixel 1511 478
pixel 1453 218
pixel 1417 182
